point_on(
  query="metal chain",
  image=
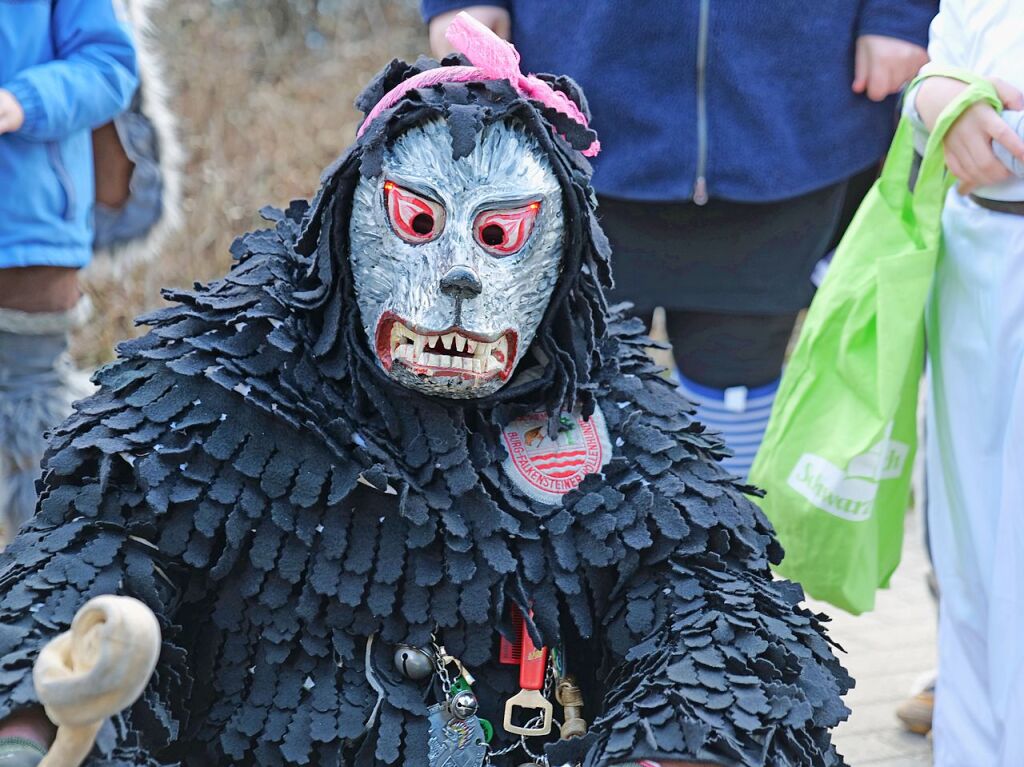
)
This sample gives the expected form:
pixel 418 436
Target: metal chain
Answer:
pixel 491 753
pixel 550 677
pixel 538 758
pixel 441 668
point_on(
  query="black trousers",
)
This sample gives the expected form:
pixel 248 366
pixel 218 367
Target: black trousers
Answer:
pixel 724 350
pixel 732 277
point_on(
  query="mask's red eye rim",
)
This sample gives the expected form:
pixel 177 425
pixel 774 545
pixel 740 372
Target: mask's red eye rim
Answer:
pixel 504 231
pixel 414 218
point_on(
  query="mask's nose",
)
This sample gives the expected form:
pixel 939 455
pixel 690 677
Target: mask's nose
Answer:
pixel 461 282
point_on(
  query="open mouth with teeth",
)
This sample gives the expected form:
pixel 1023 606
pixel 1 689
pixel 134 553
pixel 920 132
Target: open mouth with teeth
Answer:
pixel 451 352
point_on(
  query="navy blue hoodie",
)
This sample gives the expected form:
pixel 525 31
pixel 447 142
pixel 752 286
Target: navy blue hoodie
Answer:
pixel 771 117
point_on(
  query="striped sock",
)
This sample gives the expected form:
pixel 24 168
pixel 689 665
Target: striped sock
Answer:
pixel 739 414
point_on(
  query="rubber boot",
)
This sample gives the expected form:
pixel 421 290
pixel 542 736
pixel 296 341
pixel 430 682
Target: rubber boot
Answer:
pixel 37 386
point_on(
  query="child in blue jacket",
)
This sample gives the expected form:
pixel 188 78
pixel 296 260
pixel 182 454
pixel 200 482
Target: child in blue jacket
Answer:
pixel 66 67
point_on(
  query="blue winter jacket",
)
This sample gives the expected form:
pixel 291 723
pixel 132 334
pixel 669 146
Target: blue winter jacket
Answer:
pixel 71 65
pixel 753 95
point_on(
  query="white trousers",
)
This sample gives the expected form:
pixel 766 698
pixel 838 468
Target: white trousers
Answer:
pixel 976 486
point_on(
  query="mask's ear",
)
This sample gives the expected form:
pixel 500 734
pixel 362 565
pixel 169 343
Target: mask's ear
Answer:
pixel 312 226
pixel 394 73
pixel 579 136
pixel 313 223
pixel 570 88
pixel 317 244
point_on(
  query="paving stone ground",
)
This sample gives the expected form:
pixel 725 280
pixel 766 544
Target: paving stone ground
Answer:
pixel 887 651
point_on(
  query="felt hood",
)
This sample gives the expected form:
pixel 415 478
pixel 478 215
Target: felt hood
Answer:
pixel 577 312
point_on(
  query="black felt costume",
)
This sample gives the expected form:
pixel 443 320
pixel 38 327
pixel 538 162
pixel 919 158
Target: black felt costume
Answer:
pixel 249 473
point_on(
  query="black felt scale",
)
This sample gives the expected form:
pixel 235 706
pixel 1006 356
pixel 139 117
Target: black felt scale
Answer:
pixel 247 471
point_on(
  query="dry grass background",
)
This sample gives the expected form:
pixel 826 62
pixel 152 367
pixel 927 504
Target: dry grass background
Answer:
pixel 263 92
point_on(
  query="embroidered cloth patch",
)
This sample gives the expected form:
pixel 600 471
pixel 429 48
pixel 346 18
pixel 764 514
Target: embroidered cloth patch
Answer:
pixel 547 468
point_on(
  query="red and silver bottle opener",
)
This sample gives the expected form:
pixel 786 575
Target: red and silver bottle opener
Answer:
pixel 533 666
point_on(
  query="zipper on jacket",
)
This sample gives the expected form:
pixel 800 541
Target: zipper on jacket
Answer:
pixel 700 186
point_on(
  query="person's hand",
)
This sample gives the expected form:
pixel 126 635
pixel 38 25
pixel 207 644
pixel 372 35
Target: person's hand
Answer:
pixel 494 18
pixel 968 144
pixel 883 65
pixel 12 116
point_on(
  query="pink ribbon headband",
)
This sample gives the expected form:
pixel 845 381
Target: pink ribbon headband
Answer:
pixel 492 59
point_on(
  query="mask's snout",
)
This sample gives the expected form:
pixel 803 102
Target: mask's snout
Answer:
pixel 461 283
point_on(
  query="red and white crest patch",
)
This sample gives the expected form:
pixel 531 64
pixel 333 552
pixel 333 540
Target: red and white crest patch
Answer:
pixel 547 468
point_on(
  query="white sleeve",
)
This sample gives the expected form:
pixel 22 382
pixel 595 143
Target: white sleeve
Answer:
pixel 946 37
pixel 946 47
pixel 911 113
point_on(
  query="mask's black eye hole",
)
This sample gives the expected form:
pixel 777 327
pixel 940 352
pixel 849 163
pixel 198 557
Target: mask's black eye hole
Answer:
pixel 504 231
pixel 413 218
pixel 492 235
pixel 423 223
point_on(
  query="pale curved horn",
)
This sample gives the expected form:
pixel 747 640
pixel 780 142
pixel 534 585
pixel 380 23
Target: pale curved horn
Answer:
pixel 93 671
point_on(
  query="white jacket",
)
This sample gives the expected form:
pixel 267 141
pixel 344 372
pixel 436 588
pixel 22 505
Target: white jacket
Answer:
pixel 987 38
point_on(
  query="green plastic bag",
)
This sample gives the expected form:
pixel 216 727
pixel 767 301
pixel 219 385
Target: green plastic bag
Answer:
pixel 837 457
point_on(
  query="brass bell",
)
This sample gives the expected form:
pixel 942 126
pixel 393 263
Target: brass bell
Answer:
pixel 463 705
pixel 415 662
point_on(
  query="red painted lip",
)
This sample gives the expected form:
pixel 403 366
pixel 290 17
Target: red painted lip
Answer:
pixel 382 343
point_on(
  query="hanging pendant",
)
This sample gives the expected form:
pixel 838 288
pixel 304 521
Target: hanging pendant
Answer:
pixel 455 742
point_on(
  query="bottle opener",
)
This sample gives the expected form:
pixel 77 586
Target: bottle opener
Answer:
pixel 533 665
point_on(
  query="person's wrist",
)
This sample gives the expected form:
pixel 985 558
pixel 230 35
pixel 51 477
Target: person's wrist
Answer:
pixel 902 36
pixel 494 17
pixel 431 9
pixel 26 99
pixel 934 95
